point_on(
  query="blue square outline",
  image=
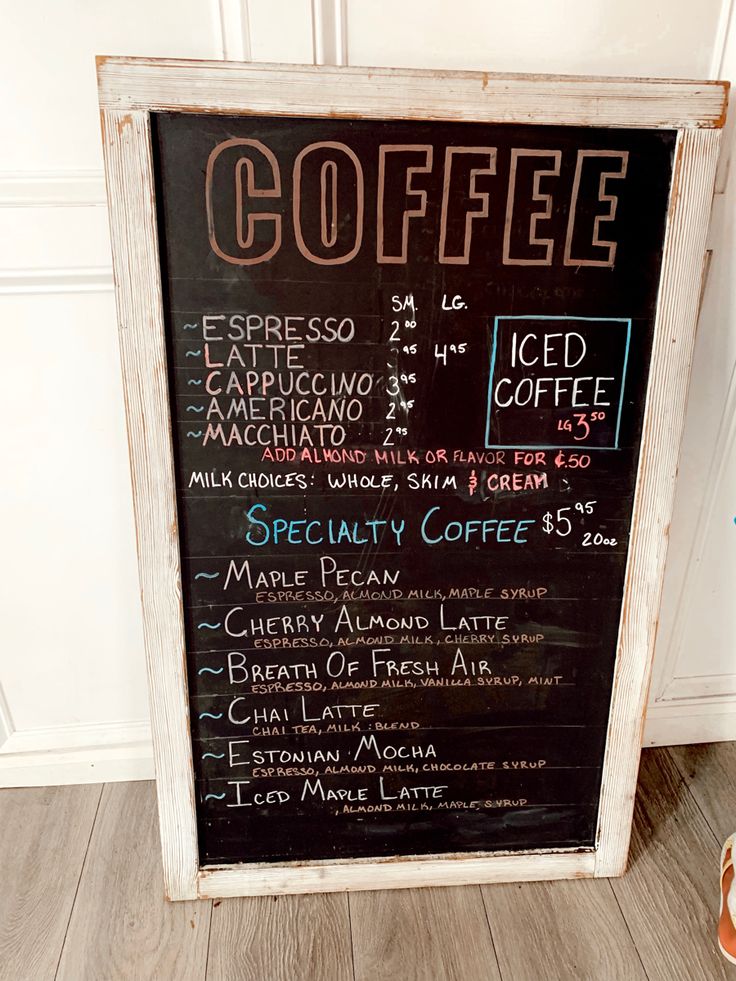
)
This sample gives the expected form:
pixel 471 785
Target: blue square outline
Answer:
pixel 554 446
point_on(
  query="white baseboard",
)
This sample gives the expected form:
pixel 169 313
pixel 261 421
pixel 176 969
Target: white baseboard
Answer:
pixel 108 752
pixel 678 725
pixel 100 753
pixel 6 721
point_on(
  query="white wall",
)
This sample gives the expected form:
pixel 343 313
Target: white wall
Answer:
pixel 72 678
pixel 671 38
pixel 694 685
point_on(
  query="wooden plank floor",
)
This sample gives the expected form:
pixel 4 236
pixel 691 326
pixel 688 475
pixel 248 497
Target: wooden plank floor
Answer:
pixel 81 900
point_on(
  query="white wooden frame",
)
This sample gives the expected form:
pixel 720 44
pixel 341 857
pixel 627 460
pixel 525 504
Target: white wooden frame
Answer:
pixel 129 90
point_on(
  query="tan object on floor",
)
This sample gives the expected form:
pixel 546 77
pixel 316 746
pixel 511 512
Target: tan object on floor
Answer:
pixel 727 917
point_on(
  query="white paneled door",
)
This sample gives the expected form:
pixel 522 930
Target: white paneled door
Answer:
pixel 72 679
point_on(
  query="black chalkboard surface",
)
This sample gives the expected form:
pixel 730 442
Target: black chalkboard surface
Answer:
pixel 407 370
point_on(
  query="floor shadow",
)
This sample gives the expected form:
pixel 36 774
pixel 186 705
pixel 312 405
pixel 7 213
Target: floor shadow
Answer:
pixel 661 793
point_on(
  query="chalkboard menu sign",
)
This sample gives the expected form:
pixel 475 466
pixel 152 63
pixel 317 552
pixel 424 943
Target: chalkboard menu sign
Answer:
pixel 408 365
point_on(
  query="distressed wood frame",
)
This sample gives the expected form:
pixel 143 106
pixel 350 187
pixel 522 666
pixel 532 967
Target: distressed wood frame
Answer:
pixel 129 90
